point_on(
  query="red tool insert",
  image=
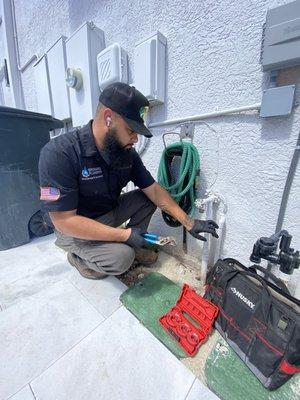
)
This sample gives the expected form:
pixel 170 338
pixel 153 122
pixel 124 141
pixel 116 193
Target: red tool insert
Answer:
pixel 190 321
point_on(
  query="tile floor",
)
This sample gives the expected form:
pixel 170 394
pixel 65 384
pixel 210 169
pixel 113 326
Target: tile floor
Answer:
pixel 66 337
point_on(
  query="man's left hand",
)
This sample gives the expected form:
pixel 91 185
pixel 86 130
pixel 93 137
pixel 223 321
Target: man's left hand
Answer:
pixel 203 226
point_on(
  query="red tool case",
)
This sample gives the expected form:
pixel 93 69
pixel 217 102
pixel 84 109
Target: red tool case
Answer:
pixel 190 321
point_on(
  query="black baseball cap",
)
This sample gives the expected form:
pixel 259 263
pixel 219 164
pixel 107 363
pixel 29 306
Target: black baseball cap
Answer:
pixel 128 102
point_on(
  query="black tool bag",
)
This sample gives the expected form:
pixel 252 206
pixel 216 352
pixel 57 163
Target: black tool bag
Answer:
pixel 258 319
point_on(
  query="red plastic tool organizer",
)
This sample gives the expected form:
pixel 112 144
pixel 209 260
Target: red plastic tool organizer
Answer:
pixel 177 322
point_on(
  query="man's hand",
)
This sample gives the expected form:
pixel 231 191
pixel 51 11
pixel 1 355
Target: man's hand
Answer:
pixel 135 239
pixel 203 226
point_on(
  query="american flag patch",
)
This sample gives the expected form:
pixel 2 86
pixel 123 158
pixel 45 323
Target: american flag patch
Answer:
pixel 50 193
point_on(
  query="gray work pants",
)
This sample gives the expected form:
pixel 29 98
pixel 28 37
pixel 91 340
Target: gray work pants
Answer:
pixel 112 258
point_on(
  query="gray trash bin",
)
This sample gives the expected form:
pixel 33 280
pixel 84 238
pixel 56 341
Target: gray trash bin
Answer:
pixel 22 135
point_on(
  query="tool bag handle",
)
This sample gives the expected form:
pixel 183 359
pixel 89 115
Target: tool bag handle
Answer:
pixel 278 282
pixel 232 261
pixel 266 297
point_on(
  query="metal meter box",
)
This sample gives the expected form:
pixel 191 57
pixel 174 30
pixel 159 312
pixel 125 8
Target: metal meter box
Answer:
pixel 43 91
pixel 57 65
pixel 150 67
pixel 82 49
pixel 112 65
pixel 281 45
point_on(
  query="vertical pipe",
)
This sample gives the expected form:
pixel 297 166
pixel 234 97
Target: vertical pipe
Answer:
pixel 287 186
pixel 205 250
pixel 221 223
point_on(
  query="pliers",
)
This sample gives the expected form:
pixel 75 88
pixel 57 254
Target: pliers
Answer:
pixel 152 238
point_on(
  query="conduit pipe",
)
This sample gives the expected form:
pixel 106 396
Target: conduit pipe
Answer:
pixel 212 114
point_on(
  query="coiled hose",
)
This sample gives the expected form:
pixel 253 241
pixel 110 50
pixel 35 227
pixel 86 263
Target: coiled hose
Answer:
pixel 178 173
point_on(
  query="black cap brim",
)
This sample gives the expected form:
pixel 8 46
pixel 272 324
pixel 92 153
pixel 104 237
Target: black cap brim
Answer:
pixel 138 127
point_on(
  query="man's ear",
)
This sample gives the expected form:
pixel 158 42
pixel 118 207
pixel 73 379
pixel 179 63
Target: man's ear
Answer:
pixel 107 115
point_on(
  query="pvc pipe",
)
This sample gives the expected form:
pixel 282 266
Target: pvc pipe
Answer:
pixel 206 245
pixel 221 223
pixel 255 106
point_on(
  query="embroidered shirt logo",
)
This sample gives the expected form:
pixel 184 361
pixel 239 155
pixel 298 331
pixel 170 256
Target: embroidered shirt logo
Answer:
pixel 242 297
pixel 92 173
pixel 85 172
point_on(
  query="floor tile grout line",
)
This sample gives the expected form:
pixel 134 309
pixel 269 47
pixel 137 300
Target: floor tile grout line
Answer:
pixel 66 352
pixel 49 366
pixel 189 391
pixel 119 306
pixel 19 390
pixel 83 295
pixel 32 391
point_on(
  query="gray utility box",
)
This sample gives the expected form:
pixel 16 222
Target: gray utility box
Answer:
pixel 281 44
pixel 22 135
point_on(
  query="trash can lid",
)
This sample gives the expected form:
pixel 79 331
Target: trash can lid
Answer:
pixel 16 113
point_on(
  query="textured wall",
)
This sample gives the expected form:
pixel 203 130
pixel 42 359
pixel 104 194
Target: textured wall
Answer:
pixel 212 63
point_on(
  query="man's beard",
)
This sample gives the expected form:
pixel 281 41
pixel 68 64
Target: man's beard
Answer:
pixel 120 156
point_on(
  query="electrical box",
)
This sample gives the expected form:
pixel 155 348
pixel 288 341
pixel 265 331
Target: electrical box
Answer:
pixel 277 102
pixel 81 76
pixel 57 65
pixel 281 44
pixel 41 74
pixel 112 65
pixel 150 67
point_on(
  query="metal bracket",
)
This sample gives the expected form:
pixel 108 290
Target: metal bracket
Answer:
pixel 187 130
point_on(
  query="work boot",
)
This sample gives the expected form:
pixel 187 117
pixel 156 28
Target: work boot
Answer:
pixel 145 256
pixel 86 272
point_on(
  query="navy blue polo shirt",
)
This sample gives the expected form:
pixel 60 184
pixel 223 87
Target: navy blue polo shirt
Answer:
pixel 74 175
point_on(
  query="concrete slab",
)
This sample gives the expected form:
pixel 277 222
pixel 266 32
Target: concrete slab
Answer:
pixel 119 360
pixel 38 330
pixel 103 294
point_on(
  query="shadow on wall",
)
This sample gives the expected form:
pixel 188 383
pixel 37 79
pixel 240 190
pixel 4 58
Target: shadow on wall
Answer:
pixel 81 11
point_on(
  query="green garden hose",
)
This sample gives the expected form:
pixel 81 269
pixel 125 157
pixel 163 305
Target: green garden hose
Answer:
pixel 180 179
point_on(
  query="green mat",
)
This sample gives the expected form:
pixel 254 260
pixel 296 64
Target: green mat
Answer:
pixel 149 299
pixel 228 377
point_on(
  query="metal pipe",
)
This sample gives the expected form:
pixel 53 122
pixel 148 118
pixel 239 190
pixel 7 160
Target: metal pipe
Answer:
pixel 212 114
pixel 288 185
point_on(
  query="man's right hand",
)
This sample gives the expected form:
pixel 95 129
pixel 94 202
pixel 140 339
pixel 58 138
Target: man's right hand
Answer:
pixel 135 238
